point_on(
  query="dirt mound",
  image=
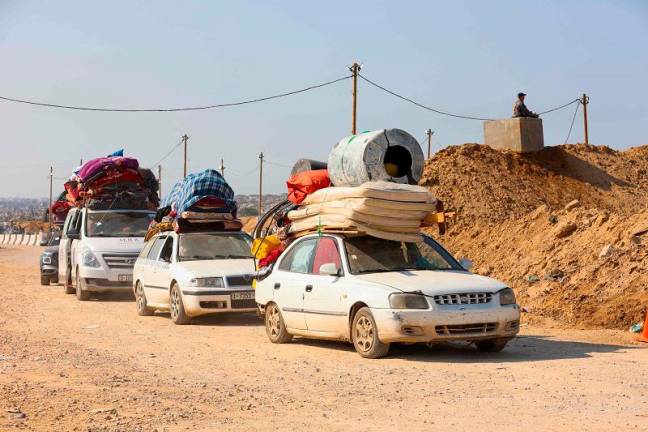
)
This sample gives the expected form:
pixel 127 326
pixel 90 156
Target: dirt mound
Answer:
pixel 480 182
pixel 582 263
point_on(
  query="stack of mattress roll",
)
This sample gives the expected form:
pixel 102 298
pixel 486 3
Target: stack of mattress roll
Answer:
pixel 392 211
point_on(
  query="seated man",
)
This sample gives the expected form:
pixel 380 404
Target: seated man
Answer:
pixel 520 110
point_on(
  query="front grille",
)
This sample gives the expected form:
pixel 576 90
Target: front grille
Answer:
pixel 465 329
pixel 463 299
pixel 242 280
pixel 243 304
pixel 120 261
pixel 512 325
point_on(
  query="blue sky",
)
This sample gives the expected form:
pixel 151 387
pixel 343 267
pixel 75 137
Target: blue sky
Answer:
pixel 465 57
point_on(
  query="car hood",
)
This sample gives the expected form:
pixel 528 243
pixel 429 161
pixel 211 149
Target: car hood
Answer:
pixel 434 282
pixel 209 268
pixel 114 244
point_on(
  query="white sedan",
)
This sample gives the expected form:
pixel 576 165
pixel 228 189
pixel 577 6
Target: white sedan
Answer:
pixel 194 274
pixel 373 292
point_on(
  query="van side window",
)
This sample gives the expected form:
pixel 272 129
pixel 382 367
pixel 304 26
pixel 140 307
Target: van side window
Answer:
pixel 72 225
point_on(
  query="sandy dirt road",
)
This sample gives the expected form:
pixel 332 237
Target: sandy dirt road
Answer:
pixel 97 366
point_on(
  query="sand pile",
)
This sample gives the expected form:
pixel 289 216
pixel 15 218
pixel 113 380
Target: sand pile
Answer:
pixel 582 263
pixel 491 185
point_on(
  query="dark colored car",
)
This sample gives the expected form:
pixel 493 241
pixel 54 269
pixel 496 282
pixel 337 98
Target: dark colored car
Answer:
pixel 49 262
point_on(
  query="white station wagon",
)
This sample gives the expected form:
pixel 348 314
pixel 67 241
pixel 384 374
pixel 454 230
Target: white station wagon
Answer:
pixel 373 292
pixel 194 274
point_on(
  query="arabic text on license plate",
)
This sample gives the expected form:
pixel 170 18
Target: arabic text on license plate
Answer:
pixel 125 278
pixel 245 295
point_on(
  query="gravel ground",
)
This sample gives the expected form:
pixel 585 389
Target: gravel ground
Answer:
pixel 97 366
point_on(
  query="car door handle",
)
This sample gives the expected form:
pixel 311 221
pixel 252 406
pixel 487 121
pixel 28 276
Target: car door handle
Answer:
pixel 309 288
pixel 277 285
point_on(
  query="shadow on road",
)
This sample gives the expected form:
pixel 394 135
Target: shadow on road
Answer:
pixel 113 297
pixel 234 319
pixel 522 349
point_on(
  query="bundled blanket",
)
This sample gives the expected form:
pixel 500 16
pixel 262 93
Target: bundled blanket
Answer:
pixel 205 191
pixel 114 181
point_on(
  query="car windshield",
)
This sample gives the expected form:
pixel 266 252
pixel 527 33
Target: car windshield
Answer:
pixel 117 224
pixel 209 246
pixel 374 255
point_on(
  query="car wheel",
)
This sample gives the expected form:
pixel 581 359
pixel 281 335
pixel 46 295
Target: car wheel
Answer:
pixel 364 334
pixel 178 315
pixel 69 289
pixel 81 293
pixel 45 280
pixel 275 327
pixel 140 301
pixel 491 345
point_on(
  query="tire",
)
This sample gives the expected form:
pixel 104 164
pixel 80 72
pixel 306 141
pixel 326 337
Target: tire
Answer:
pixel 69 289
pixel 45 280
pixel 275 326
pixel 81 294
pixel 178 315
pixel 364 334
pixel 491 345
pixel 140 301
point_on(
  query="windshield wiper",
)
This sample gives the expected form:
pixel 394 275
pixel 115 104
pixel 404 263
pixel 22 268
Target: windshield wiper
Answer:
pixel 195 257
pixel 375 271
pixel 409 268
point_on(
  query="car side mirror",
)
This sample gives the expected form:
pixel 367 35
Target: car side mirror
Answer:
pixel 329 269
pixel 466 264
pixel 74 236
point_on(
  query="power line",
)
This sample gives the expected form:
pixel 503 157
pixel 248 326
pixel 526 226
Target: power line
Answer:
pixel 420 105
pixel 256 167
pixel 572 122
pixel 167 155
pixel 277 164
pixel 438 111
pixel 560 107
pixel 222 105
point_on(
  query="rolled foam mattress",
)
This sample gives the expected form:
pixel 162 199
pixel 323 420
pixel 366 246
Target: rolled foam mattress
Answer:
pixel 379 190
pixel 312 223
pixel 365 206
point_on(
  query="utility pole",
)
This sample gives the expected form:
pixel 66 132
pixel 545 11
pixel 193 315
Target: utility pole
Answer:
pixel 160 181
pixel 429 134
pixel 585 101
pixel 49 208
pixel 185 138
pixel 260 184
pixel 355 69
pixel 222 168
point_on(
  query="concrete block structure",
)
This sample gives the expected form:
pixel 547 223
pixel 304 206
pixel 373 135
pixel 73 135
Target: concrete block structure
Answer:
pixel 521 134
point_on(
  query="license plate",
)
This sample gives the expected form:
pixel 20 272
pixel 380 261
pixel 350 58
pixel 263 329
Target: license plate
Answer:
pixel 244 295
pixel 125 278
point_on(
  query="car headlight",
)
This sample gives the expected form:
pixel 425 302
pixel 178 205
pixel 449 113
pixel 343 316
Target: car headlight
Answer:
pixel 89 259
pixel 46 260
pixel 407 301
pixel 507 297
pixel 207 282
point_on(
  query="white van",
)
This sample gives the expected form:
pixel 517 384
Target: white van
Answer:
pixel 98 249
